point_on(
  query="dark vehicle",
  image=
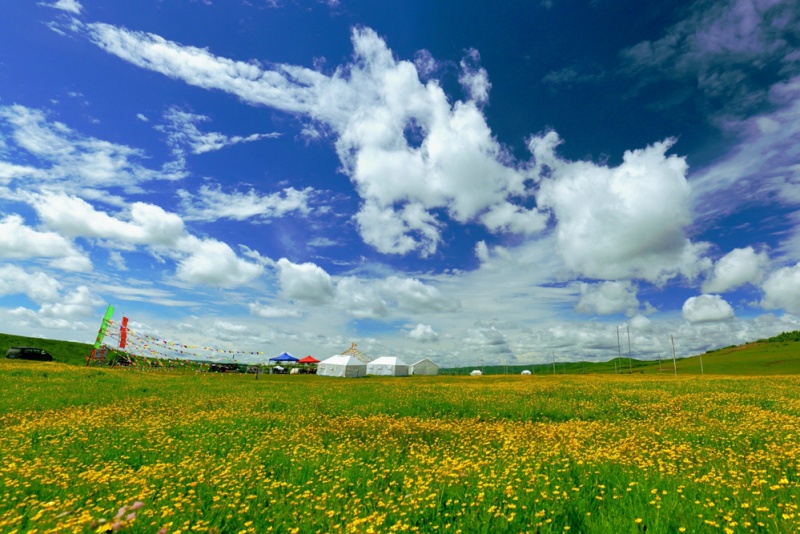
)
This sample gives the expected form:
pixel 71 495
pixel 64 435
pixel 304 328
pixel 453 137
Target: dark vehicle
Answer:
pixel 29 353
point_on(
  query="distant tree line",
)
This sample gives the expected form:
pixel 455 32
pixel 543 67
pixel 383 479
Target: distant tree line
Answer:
pixel 783 337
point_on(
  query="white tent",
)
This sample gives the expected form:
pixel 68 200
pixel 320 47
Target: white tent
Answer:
pixel 525 372
pixel 424 367
pixel 476 372
pixel 387 366
pixel 340 365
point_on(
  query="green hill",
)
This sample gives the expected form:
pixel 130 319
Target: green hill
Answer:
pixel 62 351
pixel 779 355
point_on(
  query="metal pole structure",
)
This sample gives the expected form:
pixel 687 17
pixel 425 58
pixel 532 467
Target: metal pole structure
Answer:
pixel 554 364
pixel 701 366
pixel 674 364
pixel 630 366
pixel 619 352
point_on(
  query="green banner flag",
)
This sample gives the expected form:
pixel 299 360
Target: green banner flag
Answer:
pixel 102 333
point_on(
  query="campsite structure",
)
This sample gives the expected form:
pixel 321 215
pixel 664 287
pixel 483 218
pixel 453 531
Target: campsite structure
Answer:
pixel 342 365
pixel 387 366
pixel 424 367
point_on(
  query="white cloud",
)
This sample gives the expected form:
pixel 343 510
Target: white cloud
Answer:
pixel 213 262
pixel 723 48
pixel 415 296
pixel 142 117
pixel 474 78
pixel 408 151
pixel 18 241
pixel 70 161
pixel 740 266
pixel 622 222
pixel 38 286
pixel 706 309
pixel 424 333
pixel 70 6
pixel 211 204
pixel 148 225
pixel 361 298
pixel 79 303
pixel 273 312
pixel 605 298
pixel 305 282
pixel 782 290
pixel 763 166
pixel 183 133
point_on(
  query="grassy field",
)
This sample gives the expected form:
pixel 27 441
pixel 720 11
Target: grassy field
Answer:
pixel 97 449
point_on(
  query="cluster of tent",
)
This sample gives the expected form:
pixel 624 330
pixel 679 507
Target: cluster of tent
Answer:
pixel 350 366
pixel 345 365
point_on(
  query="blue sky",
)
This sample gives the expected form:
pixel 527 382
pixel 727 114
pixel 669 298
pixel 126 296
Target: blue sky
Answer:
pixel 460 182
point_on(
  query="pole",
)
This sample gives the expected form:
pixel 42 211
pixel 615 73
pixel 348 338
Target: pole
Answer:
pixel 554 364
pixel 630 365
pixel 701 366
pixel 619 352
pixel 674 364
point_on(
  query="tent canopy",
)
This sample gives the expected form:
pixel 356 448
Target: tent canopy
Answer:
pixel 387 366
pixel 308 359
pixel 341 365
pixel 424 367
pixel 285 357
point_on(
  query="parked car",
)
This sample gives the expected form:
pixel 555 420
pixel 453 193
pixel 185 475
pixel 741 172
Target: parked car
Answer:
pixel 29 353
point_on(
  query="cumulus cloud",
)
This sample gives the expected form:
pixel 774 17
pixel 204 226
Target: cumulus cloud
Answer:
pixel 212 262
pixel 200 261
pixel 605 298
pixel 782 290
pixel 409 152
pixel 69 215
pixel 305 282
pixel 486 341
pixel 18 241
pixel 474 78
pixel 38 286
pixel 707 309
pixel 622 222
pixel 740 266
pixel 78 303
pixel 183 134
pixel 211 204
pixel 423 333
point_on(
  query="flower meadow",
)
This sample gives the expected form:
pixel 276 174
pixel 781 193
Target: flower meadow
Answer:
pixel 111 450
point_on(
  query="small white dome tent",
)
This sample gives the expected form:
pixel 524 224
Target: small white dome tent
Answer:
pixel 476 372
pixel 387 366
pixel 525 372
pixel 424 367
pixel 342 366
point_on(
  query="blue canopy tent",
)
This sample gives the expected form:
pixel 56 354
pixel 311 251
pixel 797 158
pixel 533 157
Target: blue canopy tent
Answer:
pixel 285 357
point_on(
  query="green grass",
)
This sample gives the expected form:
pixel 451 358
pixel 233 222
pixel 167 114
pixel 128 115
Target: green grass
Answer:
pixel 220 453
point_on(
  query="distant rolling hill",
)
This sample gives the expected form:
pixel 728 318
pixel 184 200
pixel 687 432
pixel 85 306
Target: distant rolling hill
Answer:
pixel 779 355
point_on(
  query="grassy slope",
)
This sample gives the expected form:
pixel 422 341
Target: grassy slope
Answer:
pixel 62 351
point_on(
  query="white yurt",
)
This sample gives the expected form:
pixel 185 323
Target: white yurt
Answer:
pixel 341 365
pixel 387 366
pixel 424 367
pixel 476 372
pixel 525 372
